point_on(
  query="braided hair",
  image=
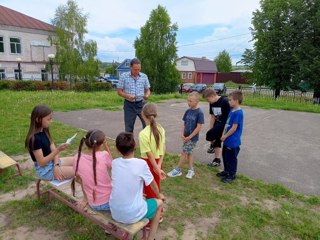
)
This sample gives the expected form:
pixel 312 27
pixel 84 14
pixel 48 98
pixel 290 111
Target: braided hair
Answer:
pixel 150 112
pixel 93 139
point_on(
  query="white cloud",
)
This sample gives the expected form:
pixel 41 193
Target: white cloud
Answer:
pixel 108 19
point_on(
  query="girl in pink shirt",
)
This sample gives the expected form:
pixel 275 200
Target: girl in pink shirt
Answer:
pixel 91 166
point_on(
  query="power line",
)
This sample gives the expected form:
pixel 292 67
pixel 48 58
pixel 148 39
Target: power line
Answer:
pixel 213 40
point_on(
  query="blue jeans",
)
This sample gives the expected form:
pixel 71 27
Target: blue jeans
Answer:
pixel 103 207
pixel 131 111
pixel 230 159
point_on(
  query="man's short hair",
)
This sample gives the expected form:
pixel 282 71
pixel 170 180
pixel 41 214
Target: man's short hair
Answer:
pixel 236 95
pixel 209 92
pixel 125 143
pixel 134 61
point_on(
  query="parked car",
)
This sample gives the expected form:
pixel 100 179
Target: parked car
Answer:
pixel 220 88
pixel 186 87
pixel 113 82
pixel 200 87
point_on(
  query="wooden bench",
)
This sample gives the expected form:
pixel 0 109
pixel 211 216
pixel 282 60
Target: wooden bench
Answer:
pixel 6 161
pixel 103 219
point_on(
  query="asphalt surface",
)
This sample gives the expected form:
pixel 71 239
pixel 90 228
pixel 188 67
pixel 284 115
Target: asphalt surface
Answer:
pixel 277 146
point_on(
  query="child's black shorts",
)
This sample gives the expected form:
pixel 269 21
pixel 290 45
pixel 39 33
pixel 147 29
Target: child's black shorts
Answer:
pixel 214 134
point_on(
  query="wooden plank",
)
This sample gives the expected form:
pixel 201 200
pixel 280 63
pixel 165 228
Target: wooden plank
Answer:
pixel 104 217
pixel 6 161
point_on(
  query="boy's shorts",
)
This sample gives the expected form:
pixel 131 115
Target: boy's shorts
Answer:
pixel 152 208
pixel 188 147
pixel 103 207
pixel 215 134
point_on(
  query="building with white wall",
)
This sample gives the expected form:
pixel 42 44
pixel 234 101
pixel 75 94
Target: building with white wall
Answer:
pixel 24 39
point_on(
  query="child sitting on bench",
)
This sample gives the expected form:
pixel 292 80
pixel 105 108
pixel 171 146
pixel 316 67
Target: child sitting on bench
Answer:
pixel 129 175
pixel 92 165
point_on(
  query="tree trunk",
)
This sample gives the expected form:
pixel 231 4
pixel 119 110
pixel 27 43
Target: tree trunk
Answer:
pixel 277 93
pixel 316 96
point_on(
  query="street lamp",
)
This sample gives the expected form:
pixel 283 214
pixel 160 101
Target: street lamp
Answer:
pixel 51 57
pixel 19 67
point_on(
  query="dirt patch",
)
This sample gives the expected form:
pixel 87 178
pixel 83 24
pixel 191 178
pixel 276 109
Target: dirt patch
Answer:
pixel 244 200
pixel 169 233
pixel 271 205
pixel 200 229
pixel 24 233
pixel 25 162
pixel 17 195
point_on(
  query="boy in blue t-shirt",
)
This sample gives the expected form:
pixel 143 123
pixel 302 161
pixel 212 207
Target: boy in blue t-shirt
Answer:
pixel 232 138
pixel 193 120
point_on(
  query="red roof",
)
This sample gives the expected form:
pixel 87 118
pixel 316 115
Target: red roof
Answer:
pixel 10 17
pixel 203 65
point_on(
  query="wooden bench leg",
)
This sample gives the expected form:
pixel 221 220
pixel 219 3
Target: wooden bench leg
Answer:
pixel 38 188
pixel 144 233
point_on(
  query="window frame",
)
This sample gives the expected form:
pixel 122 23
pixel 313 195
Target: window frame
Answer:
pixel 2 44
pixel 183 75
pixel 20 43
pixel 189 74
pixel 2 74
pixel 184 62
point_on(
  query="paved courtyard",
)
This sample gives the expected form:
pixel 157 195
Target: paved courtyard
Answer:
pixel 277 146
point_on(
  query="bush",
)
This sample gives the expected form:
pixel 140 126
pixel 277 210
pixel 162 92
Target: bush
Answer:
pixel 5 84
pixel 30 85
pixel 92 86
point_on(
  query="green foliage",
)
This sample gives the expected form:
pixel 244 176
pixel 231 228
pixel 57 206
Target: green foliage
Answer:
pixel 286 50
pixel 111 69
pixel 75 56
pixel 157 50
pixel 223 61
pixel 92 86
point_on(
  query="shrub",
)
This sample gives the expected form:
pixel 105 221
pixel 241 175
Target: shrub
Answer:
pixel 62 85
pixel 92 86
pixel 5 84
pixel 23 85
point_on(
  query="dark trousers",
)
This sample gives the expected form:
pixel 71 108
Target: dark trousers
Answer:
pixel 230 159
pixel 131 111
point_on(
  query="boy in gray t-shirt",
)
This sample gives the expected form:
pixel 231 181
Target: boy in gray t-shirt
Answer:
pixel 193 120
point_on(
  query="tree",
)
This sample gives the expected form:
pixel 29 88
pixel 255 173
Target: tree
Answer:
pixel 286 48
pixel 75 56
pixel 223 61
pixel 157 50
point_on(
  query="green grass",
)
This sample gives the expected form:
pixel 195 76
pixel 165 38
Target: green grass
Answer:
pixel 245 209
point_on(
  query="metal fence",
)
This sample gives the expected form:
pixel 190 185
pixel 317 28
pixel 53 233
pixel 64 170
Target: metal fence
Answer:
pixel 293 96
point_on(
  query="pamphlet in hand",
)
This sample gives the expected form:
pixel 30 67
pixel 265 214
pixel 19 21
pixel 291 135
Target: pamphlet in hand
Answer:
pixel 69 140
pixel 58 183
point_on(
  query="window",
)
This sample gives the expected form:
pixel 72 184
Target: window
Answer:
pixel 184 62
pixel 184 75
pixel 2 74
pixel 44 75
pixel 15 45
pixel 190 75
pixel 16 74
pixel 1 44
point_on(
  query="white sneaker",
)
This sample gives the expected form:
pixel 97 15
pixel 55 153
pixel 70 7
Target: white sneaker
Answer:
pixel 174 173
pixel 190 174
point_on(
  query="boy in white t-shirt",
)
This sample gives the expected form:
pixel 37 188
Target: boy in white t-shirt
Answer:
pixel 129 174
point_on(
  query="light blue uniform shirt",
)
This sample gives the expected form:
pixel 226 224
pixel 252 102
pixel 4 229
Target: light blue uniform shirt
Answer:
pixel 134 87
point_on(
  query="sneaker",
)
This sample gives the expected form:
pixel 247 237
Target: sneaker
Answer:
pixel 228 179
pixel 190 174
pixel 222 174
pixel 174 173
pixel 210 149
pixel 215 163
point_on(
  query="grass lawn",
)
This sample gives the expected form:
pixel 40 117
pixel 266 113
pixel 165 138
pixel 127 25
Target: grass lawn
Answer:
pixel 203 207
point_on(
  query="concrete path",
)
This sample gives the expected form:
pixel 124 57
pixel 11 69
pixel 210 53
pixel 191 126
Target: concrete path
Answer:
pixel 278 146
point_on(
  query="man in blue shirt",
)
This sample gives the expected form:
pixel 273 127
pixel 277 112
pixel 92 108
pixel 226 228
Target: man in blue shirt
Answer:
pixel 134 87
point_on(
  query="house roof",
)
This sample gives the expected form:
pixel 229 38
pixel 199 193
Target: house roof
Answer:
pixel 123 67
pixel 10 17
pixel 203 65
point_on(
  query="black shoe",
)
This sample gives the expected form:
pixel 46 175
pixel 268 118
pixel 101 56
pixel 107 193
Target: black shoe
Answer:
pixel 210 149
pixel 222 174
pixel 228 179
pixel 215 163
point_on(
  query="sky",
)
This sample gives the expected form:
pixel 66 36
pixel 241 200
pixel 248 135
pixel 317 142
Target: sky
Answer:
pixel 206 27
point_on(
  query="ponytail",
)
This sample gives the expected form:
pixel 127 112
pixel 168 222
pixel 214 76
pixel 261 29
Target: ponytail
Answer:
pixel 94 163
pixel 77 165
pixel 155 130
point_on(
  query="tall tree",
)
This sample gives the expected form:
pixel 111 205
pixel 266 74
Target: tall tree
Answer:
pixel 223 61
pixel 75 56
pixel 286 48
pixel 157 50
